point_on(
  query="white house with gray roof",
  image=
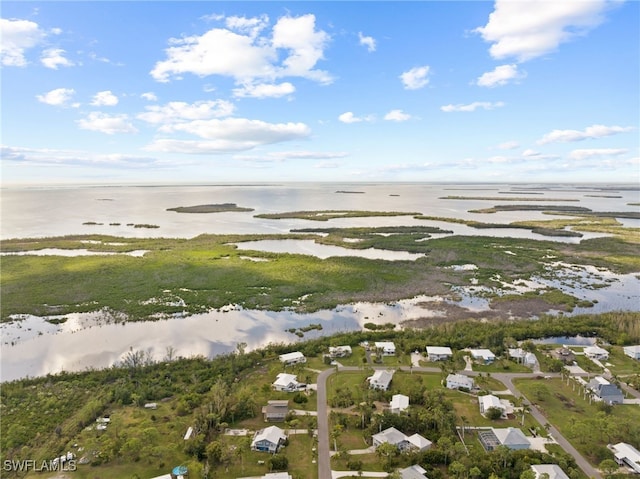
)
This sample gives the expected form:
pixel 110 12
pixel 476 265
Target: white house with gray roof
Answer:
pixel 552 470
pixel 380 380
pixel 632 351
pixel 459 381
pixel 404 443
pixel 626 455
pixel 439 353
pixel 413 472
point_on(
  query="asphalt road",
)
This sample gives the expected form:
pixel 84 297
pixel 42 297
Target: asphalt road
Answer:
pixel 324 456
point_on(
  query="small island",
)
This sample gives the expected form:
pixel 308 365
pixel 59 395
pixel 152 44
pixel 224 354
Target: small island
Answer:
pixel 214 208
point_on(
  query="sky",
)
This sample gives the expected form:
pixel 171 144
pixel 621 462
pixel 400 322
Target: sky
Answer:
pixel 159 91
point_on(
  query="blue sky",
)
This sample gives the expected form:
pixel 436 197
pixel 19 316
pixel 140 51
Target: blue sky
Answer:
pixel 132 92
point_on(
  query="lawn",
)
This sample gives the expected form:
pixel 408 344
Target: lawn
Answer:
pixel 621 364
pixel 501 366
pixel 586 424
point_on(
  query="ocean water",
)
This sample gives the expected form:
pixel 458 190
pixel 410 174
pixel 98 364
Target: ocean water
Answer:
pixel 32 346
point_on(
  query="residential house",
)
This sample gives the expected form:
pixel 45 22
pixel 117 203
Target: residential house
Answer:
pixel 387 347
pixel 626 455
pixel 277 475
pixel 459 381
pixel 381 379
pixel 553 471
pixel 399 403
pixel 412 472
pixel 632 351
pixel 510 437
pixel 604 391
pixel 340 351
pixel 287 383
pixel 490 401
pixel 439 353
pixel 292 358
pixel 268 439
pixel 483 355
pixel 275 410
pixel 596 352
pixel 401 441
pixel 565 355
pixel 521 356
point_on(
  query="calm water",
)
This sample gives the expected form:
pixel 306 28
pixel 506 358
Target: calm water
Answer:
pixel 34 346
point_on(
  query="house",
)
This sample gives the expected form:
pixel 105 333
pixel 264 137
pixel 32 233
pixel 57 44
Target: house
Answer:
pixel 401 441
pixel 438 353
pixel 596 352
pixel 521 356
pixel 490 401
pixel 510 437
pixel 459 381
pixel 565 355
pixel 151 405
pixel 268 439
pixel 292 358
pixel 275 410
pixel 387 347
pixel 553 471
pixel 287 383
pixel 381 379
pixel 340 351
pixel 277 475
pixel 483 355
pixel 604 391
pixel 632 351
pixel 412 472
pixel 626 455
pixel 399 403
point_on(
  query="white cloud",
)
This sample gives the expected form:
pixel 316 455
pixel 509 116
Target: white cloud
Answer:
pixel 591 132
pixel 415 78
pixel 280 156
pixel 54 58
pixel 508 145
pixel 48 157
pixel 485 105
pixel 368 42
pixel 327 164
pixel 294 48
pixel 17 37
pixel 57 97
pixel 109 124
pixel 527 29
pixel 264 90
pixel 104 98
pixel 228 135
pixel 584 154
pixel 149 96
pixel 349 117
pixel 179 111
pixel 249 26
pixel 397 115
pixel 501 75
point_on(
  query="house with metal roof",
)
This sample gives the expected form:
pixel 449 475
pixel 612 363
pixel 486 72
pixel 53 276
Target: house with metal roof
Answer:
pixel 399 403
pixel 596 352
pixel 340 351
pixel 459 381
pixel 489 401
pixel 439 353
pixel 287 383
pixel 511 437
pixel 632 351
pixel 604 391
pixel 412 472
pixel 381 379
pixel 483 355
pixel 268 439
pixel 387 347
pixel 553 471
pixel 404 443
pixel 295 357
pixel 626 455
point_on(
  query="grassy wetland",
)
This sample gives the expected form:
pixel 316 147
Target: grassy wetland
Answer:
pixel 209 271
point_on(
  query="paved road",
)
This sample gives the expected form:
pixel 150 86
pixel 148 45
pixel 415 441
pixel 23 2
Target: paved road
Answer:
pixel 581 462
pixel 324 457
